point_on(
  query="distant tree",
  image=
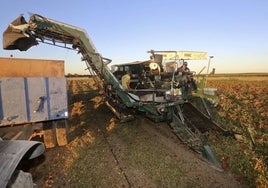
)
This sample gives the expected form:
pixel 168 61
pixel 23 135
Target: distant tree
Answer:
pixel 213 71
pixel 69 75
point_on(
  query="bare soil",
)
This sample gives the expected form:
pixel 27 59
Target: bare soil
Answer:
pixel 105 153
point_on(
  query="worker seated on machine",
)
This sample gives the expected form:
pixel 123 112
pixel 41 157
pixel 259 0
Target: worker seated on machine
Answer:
pixel 126 80
pixel 185 77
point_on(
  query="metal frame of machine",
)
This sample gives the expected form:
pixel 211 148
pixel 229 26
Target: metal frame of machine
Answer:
pixel 157 103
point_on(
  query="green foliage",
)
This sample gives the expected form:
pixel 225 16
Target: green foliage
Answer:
pixel 243 107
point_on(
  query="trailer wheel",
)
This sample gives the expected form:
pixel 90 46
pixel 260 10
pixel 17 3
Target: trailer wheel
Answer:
pixel 49 134
pixel 61 132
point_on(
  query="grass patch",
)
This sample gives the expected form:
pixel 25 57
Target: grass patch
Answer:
pixel 94 167
pixel 154 162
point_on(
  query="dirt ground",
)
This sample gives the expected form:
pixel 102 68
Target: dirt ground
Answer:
pixel 105 153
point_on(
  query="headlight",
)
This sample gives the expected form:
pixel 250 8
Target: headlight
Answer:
pixel 161 109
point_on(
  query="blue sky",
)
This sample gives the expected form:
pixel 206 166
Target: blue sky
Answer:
pixel 235 32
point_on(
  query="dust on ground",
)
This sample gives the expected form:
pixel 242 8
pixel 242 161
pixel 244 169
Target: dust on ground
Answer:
pixel 105 153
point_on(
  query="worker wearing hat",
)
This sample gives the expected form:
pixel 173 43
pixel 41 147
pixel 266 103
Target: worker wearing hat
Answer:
pixel 126 80
pixel 184 78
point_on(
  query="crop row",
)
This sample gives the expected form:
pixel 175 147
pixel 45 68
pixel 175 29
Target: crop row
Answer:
pixel 243 107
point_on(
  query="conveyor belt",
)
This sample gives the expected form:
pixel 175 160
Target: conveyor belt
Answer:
pixel 197 120
pixel 188 124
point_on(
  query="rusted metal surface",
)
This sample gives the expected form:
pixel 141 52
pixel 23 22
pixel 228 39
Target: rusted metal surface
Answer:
pixel 32 90
pixel 21 132
pixel 18 67
pixel 24 100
